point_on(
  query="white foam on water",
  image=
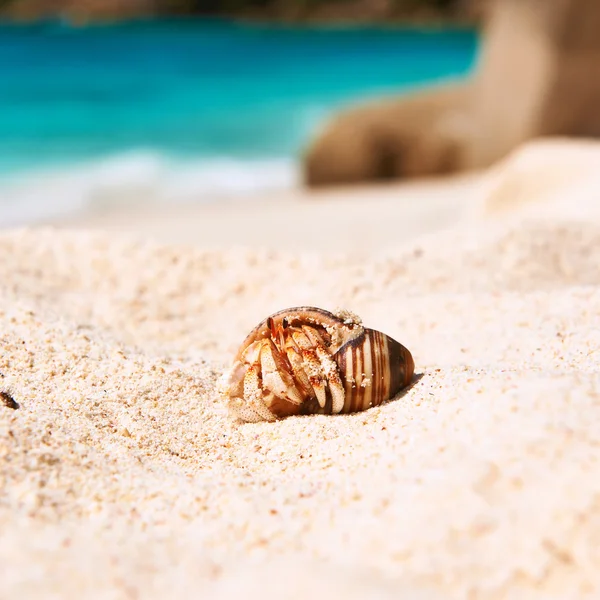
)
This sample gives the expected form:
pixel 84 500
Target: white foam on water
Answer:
pixel 136 178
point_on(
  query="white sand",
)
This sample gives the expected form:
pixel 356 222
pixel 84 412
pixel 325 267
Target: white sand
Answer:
pixel 122 476
pixel 347 220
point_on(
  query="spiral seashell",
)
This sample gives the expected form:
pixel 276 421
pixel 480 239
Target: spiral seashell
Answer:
pixel 307 360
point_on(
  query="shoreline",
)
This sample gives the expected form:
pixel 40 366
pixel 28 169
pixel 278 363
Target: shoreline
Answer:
pixel 286 219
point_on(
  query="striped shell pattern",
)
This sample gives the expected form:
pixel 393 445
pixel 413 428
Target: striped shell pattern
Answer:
pixel 307 360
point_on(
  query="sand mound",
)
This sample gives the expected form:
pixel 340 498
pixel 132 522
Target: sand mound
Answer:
pixel 549 175
pixel 121 475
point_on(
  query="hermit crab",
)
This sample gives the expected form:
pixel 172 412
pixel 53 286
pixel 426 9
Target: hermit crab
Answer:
pixel 307 360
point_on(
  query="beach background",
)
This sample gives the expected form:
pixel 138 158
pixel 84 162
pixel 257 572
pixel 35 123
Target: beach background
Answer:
pixel 188 110
pixel 152 213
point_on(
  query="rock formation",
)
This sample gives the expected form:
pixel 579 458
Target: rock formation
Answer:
pixel 538 75
pixel 411 137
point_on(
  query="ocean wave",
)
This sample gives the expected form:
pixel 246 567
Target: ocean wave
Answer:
pixel 135 178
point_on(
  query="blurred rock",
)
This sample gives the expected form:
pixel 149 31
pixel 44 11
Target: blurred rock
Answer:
pixel 538 75
pixel 421 134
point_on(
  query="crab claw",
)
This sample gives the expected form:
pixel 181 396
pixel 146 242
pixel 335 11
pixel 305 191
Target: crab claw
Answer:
pixel 253 393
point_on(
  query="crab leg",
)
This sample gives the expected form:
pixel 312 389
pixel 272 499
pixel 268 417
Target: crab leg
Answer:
pixel 330 368
pixel 312 365
pixel 334 380
pixel 294 356
pixel 276 376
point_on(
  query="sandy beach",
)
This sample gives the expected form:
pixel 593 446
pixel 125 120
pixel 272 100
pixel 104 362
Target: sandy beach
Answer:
pixel 123 476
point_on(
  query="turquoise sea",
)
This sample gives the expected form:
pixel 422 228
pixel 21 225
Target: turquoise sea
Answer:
pixel 187 109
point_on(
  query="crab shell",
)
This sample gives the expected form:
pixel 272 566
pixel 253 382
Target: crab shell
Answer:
pixel 369 366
